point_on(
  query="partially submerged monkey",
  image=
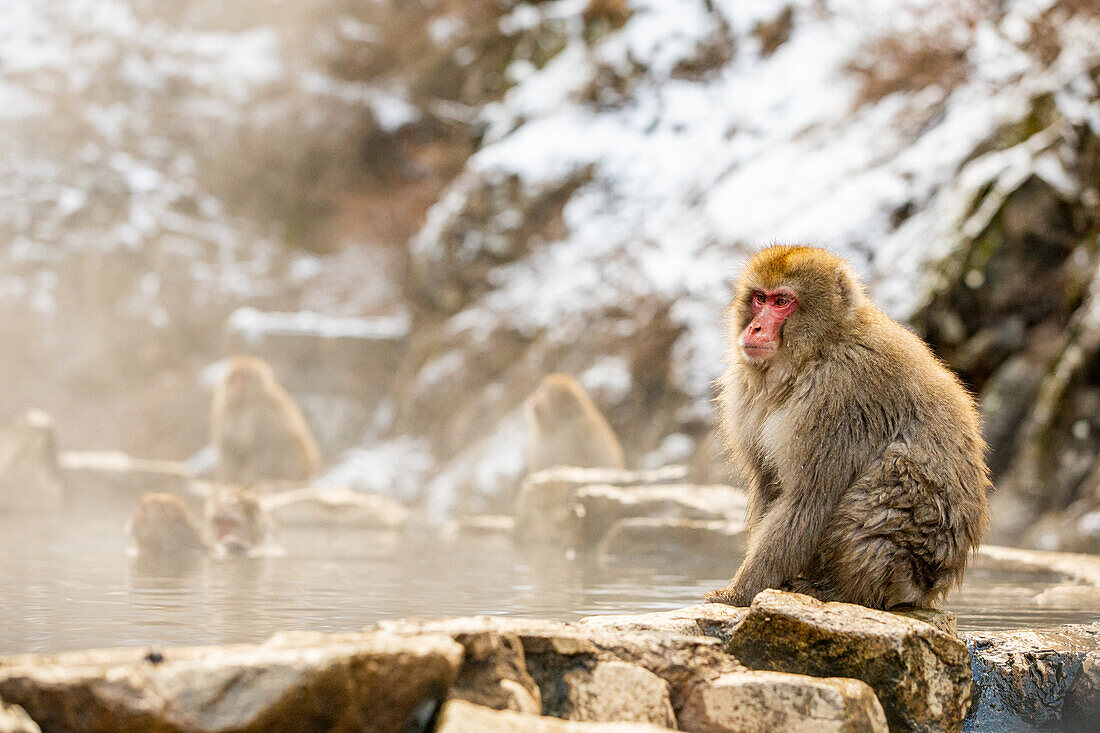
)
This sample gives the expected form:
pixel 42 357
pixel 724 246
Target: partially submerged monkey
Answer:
pixel 259 433
pixel 863 452
pixel 565 428
pixel 164 528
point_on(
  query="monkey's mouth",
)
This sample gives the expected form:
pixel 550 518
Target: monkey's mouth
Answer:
pixel 757 352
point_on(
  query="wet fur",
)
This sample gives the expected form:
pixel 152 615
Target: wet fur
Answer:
pixel 862 451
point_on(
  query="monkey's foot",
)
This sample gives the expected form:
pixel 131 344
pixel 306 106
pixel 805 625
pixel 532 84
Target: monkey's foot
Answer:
pixel 726 595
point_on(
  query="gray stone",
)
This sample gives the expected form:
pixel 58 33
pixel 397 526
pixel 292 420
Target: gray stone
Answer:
pixel 642 536
pixel 14 719
pixel 763 702
pixel 30 477
pixel 1022 679
pixel 334 506
pixel 617 691
pixel 545 510
pixel 920 674
pixel 603 505
pixel 463 717
pixel 1081 711
pixel 95 475
pixel 293 682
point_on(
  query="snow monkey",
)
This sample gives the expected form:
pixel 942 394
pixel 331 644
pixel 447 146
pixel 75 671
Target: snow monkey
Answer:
pixel 862 451
pixel 259 433
pixel 165 528
pixel 565 428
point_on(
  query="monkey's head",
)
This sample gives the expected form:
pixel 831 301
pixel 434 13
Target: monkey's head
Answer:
pixel 559 398
pixel 246 377
pixel 159 515
pixel 235 513
pixel 790 302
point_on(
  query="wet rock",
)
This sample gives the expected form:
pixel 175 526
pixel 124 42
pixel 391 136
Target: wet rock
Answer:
pixel 545 510
pixel 1082 707
pixel 642 536
pixel 95 475
pixel 334 506
pixel 707 619
pixel 30 477
pixel 920 674
pixel 464 717
pixel 294 682
pixel 601 506
pixel 483 525
pixel 762 702
pixel 1022 679
pixel 617 691
pixel 14 719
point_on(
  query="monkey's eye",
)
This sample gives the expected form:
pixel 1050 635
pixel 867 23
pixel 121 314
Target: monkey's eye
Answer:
pixel 781 302
pixel 759 298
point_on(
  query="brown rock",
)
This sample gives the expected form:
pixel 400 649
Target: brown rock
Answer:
pixel 920 674
pixel 294 682
pixel 642 536
pixel 463 717
pixel 494 673
pixel 617 691
pixel 1082 708
pixel 706 619
pixel 751 702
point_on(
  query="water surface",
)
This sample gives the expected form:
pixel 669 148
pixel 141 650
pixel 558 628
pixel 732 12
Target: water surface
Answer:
pixel 67 583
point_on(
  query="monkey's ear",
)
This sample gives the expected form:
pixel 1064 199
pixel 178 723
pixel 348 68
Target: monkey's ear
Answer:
pixel 847 289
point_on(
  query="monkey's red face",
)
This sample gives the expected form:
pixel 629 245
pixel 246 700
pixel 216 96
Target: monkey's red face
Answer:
pixel 769 308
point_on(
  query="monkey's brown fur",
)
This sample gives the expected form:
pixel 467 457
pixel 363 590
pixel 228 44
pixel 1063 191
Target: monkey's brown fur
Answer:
pixel 259 432
pixel 237 521
pixel 565 428
pixel 862 451
pixel 164 527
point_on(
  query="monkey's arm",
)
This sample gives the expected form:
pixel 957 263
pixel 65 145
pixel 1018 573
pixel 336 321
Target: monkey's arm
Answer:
pixel 783 543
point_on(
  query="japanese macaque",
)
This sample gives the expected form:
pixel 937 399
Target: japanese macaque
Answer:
pixel 165 528
pixel 259 433
pixel 862 451
pixel 237 522
pixel 564 428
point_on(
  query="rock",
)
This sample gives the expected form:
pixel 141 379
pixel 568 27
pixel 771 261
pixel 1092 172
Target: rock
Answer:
pixel 14 719
pixel 601 506
pixel 642 536
pixel 617 691
pixel 545 512
pixel 707 619
pixel 333 506
pixel 296 682
pixel 95 475
pixel 464 717
pixel 1066 596
pixel 920 674
pixel 485 525
pixel 1079 567
pixel 494 673
pixel 553 649
pixel 1022 679
pixel 945 621
pixel 762 702
pixel 30 477
pixel 1082 707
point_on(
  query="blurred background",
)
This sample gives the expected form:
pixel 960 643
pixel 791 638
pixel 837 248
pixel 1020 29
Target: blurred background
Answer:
pixel 416 209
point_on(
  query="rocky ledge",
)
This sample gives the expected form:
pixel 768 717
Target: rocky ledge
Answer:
pixel 788 662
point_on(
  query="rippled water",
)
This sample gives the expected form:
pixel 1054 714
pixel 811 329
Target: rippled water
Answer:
pixel 69 584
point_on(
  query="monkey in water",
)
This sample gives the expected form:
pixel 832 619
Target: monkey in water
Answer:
pixel 164 528
pixel 259 433
pixel 237 521
pixel 565 428
pixel 862 451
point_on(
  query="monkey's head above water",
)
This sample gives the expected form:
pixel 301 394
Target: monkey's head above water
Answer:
pixel 246 377
pixel 790 302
